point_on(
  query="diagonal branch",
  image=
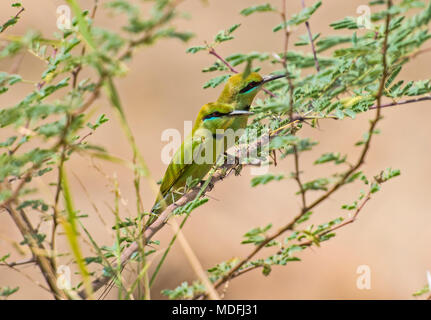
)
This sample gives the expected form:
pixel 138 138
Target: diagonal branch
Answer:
pixel 11 21
pixel 38 250
pixel 398 103
pixel 310 242
pixel 310 36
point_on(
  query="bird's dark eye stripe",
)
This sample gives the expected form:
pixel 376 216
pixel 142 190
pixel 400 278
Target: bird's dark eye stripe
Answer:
pixel 214 115
pixel 249 86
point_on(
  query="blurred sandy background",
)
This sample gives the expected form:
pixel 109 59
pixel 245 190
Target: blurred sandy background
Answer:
pixel 164 88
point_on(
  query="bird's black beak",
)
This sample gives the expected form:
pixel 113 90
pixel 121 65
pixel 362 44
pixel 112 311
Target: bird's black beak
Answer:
pixel 271 78
pixel 238 113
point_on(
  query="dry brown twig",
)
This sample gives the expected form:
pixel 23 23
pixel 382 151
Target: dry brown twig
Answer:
pixel 311 242
pixel 297 173
pixel 43 261
pixel 310 36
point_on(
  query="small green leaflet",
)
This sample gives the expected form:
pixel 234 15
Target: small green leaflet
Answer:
pixel 214 82
pixel 259 8
pixel 225 35
pixel 264 179
pixel 299 18
pixel 195 49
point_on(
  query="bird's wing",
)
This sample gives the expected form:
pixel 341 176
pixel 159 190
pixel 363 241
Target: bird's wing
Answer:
pixel 181 161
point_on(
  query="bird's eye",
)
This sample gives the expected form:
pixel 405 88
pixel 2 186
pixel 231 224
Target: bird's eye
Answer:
pixel 250 86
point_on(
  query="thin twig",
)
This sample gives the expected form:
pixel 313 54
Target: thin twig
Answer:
pixel 78 69
pixel 398 103
pixel 16 17
pixel 19 263
pixel 291 110
pixel 93 97
pixel 310 36
pixel 351 220
pixel 418 52
pixel 23 135
pixel 310 242
pixel 232 69
pixel 29 278
pixel 55 216
pixel 227 64
pixel 39 252
pixel 285 36
pixel 17 63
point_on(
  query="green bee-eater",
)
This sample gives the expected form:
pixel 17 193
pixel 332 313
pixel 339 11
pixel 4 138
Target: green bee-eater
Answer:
pixel 230 111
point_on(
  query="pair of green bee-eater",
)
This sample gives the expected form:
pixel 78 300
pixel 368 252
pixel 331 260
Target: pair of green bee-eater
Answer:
pixel 230 111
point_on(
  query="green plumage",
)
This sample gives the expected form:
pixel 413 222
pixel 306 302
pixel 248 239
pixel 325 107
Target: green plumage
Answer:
pixel 236 97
